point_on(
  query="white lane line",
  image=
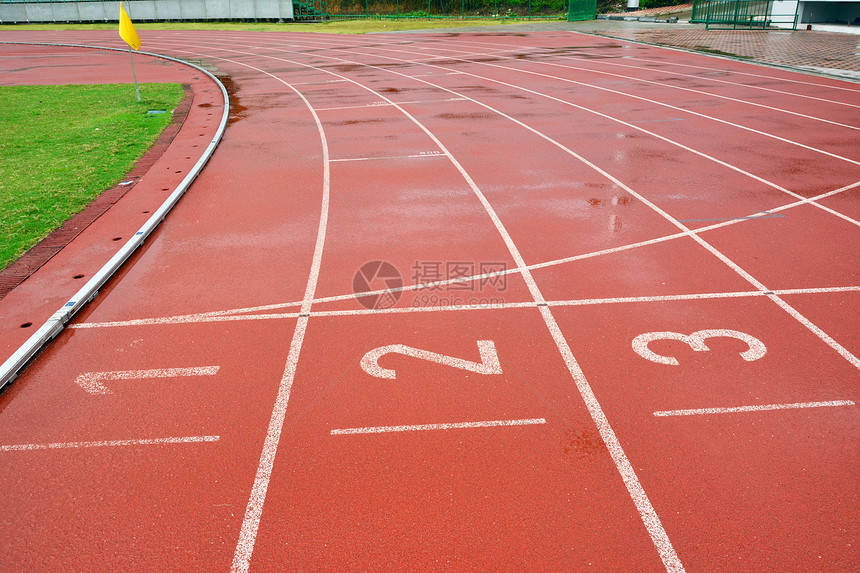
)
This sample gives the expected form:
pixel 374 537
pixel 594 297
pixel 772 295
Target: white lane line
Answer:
pixel 608 117
pixel 635 79
pixel 802 200
pixel 204 316
pixel 759 76
pixel 702 411
pixel 422 427
pixel 317 83
pixel 361 106
pixel 708 94
pixel 386 104
pixel 649 516
pixel 716 80
pixel 92 381
pixel 145 442
pixel 254 510
pixel 413 156
pixel 641 98
pixel 612 60
pixel 826 338
pixel 462 307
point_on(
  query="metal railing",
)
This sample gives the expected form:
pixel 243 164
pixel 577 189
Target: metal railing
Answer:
pixel 741 14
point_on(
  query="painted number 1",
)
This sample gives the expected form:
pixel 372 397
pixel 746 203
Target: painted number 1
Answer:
pixel 696 341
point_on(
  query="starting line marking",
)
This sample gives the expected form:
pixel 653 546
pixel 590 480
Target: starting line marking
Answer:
pixel 754 408
pixel 145 442
pixel 454 426
pixel 221 316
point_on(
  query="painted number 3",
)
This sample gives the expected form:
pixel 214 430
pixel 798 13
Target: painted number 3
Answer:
pixel 696 341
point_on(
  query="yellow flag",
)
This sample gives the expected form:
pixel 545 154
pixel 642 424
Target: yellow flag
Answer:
pixel 126 29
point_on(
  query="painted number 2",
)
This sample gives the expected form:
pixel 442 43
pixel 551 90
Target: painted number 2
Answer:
pixel 696 341
pixel 489 363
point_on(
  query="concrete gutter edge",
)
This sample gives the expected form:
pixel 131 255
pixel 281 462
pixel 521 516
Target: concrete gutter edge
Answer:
pixel 16 363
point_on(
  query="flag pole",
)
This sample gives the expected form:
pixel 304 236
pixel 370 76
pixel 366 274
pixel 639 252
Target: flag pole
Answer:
pixel 130 37
pixel 136 89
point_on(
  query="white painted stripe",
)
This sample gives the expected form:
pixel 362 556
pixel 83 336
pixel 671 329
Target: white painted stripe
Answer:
pixel 716 80
pixel 731 264
pixel 648 514
pixel 599 114
pixel 254 510
pixel 447 308
pixel 565 260
pixel 362 106
pixel 422 427
pixel 701 411
pixel 709 94
pixel 631 481
pixel 319 83
pixel 413 156
pixel 759 76
pixel 200 317
pixel 386 104
pixel 144 442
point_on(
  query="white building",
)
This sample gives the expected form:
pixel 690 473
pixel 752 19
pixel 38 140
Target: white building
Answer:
pixel 845 12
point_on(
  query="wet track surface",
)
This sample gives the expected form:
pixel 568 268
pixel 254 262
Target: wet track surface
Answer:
pixel 612 322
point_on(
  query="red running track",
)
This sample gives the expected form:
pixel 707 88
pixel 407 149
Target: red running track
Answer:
pixel 635 347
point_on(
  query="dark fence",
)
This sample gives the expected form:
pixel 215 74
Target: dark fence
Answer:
pixel 460 9
pixel 738 14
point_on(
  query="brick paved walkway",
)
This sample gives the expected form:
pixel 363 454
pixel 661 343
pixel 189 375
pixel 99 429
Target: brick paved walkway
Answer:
pixel 824 52
pixel 818 50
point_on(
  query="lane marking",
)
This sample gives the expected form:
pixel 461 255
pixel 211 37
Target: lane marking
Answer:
pixel 582 108
pixel 760 76
pixel 701 411
pixel 453 426
pixel 144 442
pixel 801 201
pixel 758 215
pixel 713 79
pixel 599 114
pixel 649 516
pixel 650 519
pixel 254 509
pixel 92 381
pixel 386 104
pixel 446 308
pixel 652 134
pixel 413 156
pixel 708 94
pixel 696 341
pixel 827 339
pixel 489 363
pixel 547 264
pixel 322 82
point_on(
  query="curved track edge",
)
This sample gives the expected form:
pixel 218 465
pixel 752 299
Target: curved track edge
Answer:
pixel 16 363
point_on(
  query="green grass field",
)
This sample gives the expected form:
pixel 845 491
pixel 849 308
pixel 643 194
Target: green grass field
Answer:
pixel 332 27
pixel 61 146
